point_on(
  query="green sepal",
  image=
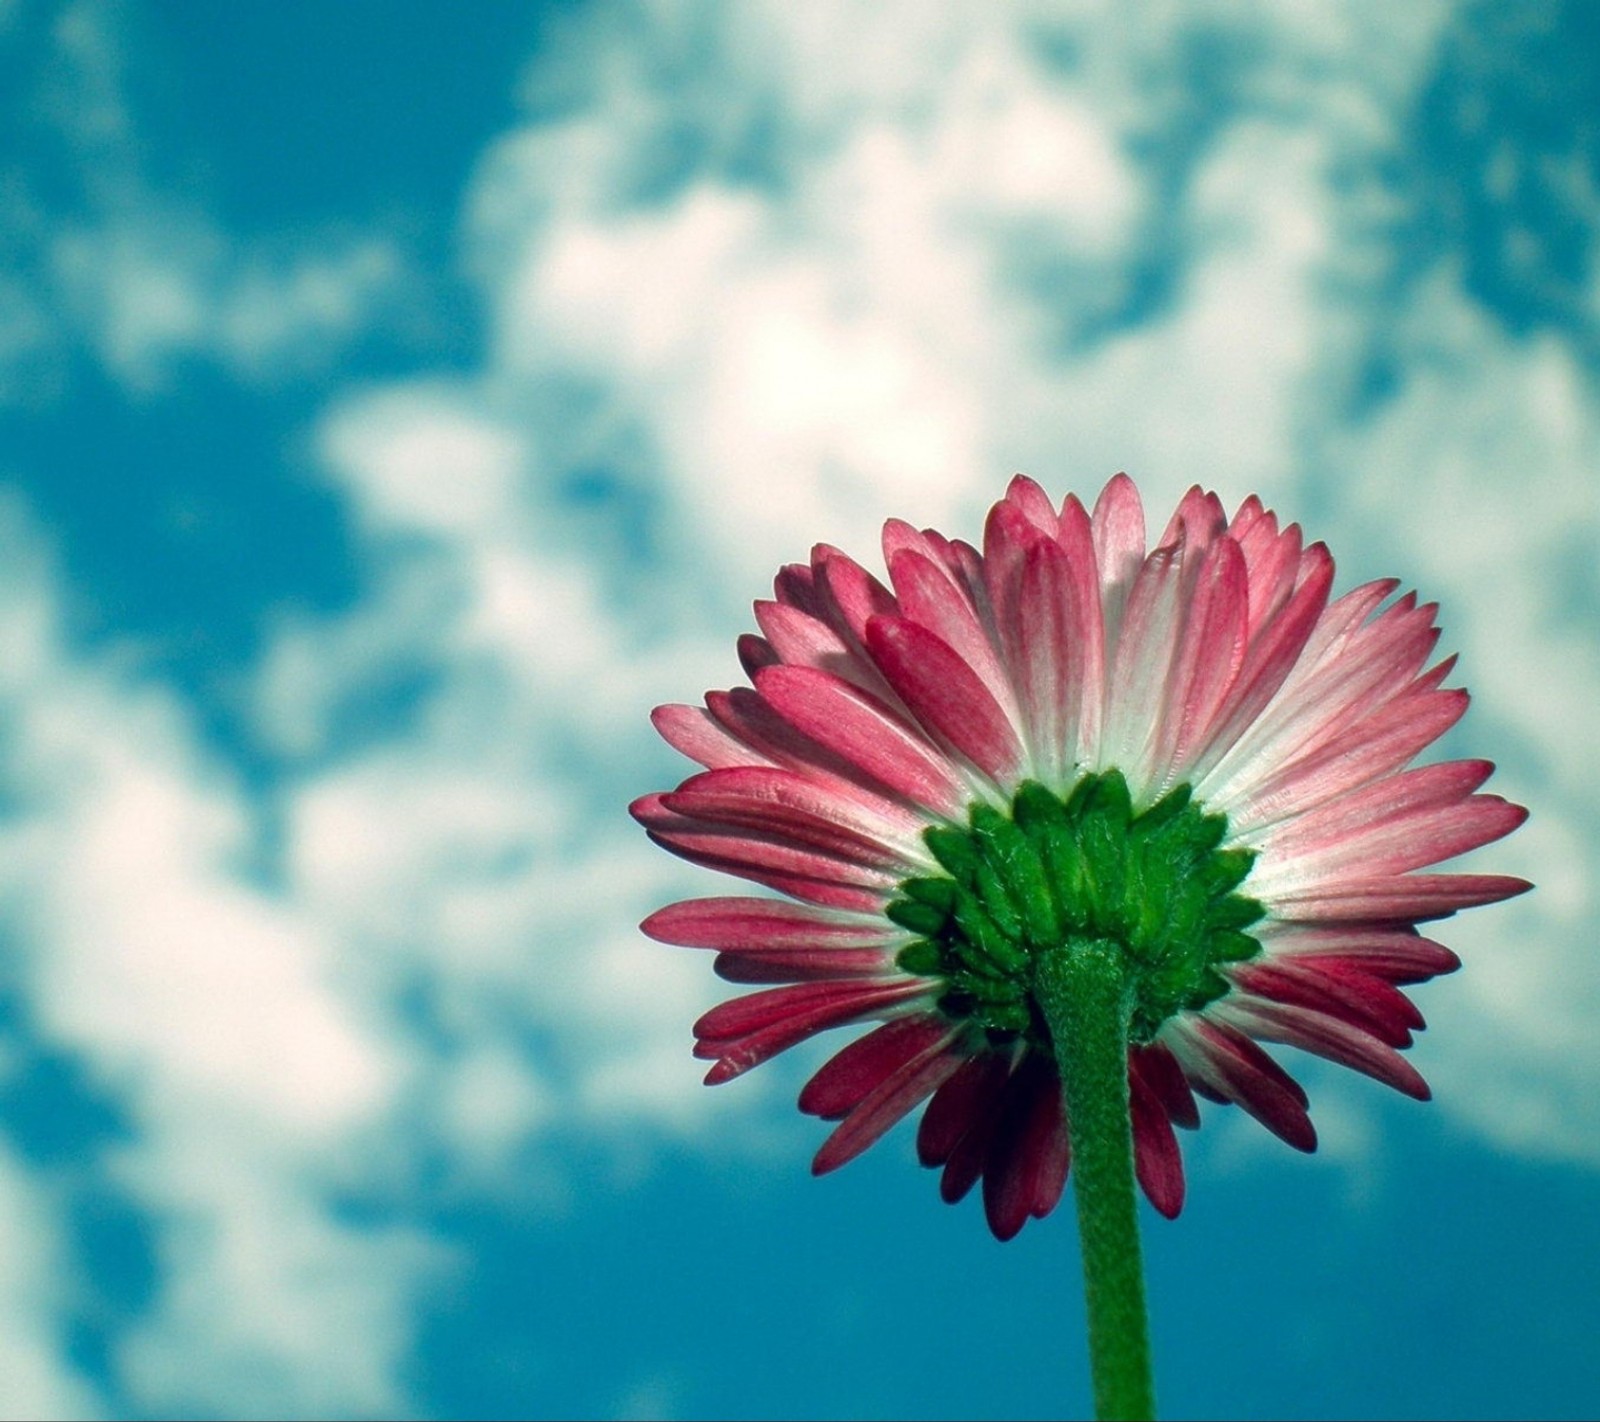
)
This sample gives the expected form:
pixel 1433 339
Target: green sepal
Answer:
pixel 916 917
pixel 1235 911
pixel 921 959
pixel 937 893
pixel 955 851
pixel 1015 887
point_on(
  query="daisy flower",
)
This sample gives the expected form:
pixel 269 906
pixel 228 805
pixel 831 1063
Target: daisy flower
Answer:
pixel 1063 789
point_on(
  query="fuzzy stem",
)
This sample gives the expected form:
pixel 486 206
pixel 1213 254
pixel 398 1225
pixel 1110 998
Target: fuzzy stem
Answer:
pixel 1083 992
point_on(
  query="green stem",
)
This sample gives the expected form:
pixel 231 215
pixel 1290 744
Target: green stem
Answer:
pixel 1083 992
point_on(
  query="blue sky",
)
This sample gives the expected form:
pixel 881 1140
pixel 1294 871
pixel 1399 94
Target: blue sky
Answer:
pixel 397 401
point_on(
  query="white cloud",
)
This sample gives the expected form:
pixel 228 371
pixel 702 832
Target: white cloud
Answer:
pixel 35 1300
pixel 138 273
pixel 219 1018
pixel 150 289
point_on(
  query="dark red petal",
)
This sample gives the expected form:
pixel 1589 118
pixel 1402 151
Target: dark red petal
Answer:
pixel 1365 1002
pixel 1234 1065
pixel 845 1079
pixel 969 1095
pixel 1160 1072
pixel 885 1105
pixel 755 653
pixel 1157 1161
pixel 801 965
pixel 1397 955
pixel 966 1162
pixel 788 1022
pixel 796 585
pixel 740 1016
pixel 1028 1158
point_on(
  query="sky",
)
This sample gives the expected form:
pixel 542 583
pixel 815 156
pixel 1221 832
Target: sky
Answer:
pixel 397 401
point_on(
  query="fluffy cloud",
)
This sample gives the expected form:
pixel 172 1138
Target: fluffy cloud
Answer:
pixel 865 330
pixel 220 1020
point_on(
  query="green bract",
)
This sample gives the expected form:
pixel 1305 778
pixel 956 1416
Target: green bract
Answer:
pixel 1082 867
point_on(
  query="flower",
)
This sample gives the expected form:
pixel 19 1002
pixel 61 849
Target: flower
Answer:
pixel 1191 754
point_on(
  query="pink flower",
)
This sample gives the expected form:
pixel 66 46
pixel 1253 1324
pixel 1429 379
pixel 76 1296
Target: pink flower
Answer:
pixel 1189 752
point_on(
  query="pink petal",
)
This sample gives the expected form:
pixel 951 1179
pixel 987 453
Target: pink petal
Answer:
pixel 752 720
pixel 1428 787
pixel 845 1080
pixel 1209 655
pixel 803 809
pixel 748 718
pixel 954 557
pixel 1045 641
pixel 695 839
pixel 1118 526
pixel 1398 955
pixel 867 734
pixel 796 585
pixel 945 695
pixel 1195 523
pixel 757 925
pixel 692 731
pixel 1142 669
pixel 1032 503
pixel 1274 561
pixel 1076 540
pixel 832 643
pixel 1349 677
pixel 1412 840
pixel 850 595
pixel 1326 1037
pixel 1401 898
pixel 801 873
pixel 805 641
pixel 1007 537
pixel 769 941
pixel 1268 660
pixel 928 595
pixel 1373 746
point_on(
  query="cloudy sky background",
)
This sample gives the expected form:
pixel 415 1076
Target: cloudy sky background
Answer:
pixel 396 402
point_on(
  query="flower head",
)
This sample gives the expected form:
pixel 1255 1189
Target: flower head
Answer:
pixel 1189 754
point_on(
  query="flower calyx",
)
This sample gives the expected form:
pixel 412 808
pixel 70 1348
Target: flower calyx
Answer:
pixel 1079 867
